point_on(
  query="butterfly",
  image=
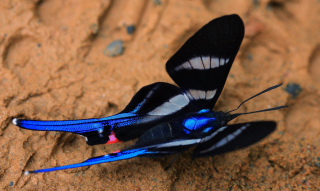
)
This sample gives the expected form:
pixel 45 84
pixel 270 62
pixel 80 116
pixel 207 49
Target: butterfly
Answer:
pixel 168 119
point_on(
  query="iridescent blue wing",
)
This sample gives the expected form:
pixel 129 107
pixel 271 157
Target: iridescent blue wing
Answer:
pixel 150 151
pixel 234 137
pixel 167 141
pixel 151 105
pixel 201 66
pixel 116 156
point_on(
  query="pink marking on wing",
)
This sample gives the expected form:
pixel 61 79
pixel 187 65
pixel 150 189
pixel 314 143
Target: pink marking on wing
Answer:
pixel 113 139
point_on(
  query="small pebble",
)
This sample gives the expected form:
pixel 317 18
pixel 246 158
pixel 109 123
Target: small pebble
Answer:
pixel 116 48
pixel 157 2
pixel 293 89
pixel 256 3
pixel 94 28
pixel 131 29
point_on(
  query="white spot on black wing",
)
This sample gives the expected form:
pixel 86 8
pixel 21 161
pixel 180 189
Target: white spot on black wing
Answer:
pixel 197 63
pixel 214 62
pixel 207 138
pixel 210 94
pixel 222 61
pixel 202 94
pixel 206 61
pixel 223 141
pixel 186 66
pixel 180 100
pixel 174 105
pixel 179 143
pixel 189 95
pixel 165 109
pixel 194 94
pixel 202 63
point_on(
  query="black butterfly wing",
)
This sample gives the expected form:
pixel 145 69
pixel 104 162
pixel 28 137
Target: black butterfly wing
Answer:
pixel 154 104
pixel 201 66
pixel 158 99
pixel 234 137
pixel 151 105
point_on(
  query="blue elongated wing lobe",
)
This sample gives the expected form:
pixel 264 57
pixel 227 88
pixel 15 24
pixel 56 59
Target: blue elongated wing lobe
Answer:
pixel 122 155
pixel 201 66
pixel 151 104
pixel 234 137
pixel 97 131
pixel 155 150
pixel 161 140
pixel 75 126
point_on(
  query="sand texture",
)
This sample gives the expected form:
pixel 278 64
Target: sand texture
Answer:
pixel 56 65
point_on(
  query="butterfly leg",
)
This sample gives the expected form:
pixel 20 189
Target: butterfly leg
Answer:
pixel 213 165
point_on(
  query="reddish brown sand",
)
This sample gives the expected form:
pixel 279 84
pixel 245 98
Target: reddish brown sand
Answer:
pixel 53 67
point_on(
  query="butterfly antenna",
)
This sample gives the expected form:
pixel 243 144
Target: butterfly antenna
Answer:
pixel 264 91
pixel 232 116
pixel 173 160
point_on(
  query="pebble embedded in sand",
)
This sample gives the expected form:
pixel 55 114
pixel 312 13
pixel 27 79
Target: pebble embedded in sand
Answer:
pixel 116 48
pixel 293 89
pixel 131 29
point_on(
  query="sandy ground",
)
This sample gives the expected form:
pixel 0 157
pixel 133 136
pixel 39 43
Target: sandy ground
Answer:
pixel 54 65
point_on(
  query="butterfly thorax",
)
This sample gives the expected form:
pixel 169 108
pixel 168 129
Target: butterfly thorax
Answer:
pixel 203 122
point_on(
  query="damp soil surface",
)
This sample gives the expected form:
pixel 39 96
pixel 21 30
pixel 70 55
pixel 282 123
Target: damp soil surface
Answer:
pixel 85 59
